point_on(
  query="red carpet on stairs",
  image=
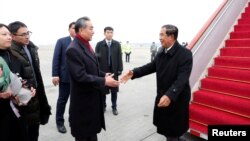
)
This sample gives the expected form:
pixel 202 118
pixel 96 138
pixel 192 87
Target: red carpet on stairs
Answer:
pixel 234 62
pixel 223 102
pixel 235 51
pixel 209 115
pixel 240 75
pixel 239 35
pixel 224 94
pixel 226 86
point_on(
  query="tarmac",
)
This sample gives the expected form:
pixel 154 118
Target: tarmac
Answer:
pixel 135 104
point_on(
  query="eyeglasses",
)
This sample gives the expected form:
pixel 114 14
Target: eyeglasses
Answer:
pixel 28 34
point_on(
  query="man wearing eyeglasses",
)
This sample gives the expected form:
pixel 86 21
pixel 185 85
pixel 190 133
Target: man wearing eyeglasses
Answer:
pixel 38 110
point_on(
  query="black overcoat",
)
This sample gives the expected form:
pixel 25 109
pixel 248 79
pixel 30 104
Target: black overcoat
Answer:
pixel 86 115
pixel 102 53
pixel 172 73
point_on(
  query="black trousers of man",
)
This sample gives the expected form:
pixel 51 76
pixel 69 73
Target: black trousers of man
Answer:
pixel 127 57
pixel 113 92
pixel 64 90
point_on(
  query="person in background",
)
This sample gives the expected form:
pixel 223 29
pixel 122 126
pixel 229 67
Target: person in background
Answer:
pixel 127 51
pixel 109 56
pixel 184 44
pixel 86 116
pixel 38 109
pixel 173 66
pixel 153 50
pixel 11 126
pixel 60 76
pixel 122 47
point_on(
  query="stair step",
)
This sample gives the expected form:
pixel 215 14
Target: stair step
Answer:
pixel 234 62
pixel 229 73
pixel 245 15
pixel 240 35
pixel 244 21
pixel 242 27
pixel 247 9
pixel 198 127
pixel 224 102
pixel 211 116
pixel 225 86
pixel 235 51
pixel 237 43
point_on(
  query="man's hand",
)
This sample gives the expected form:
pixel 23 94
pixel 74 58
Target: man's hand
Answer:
pixel 125 77
pixel 110 81
pixel 55 81
pixel 164 101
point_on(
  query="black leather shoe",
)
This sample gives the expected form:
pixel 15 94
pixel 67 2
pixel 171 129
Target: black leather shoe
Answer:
pixel 61 129
pixel 115 112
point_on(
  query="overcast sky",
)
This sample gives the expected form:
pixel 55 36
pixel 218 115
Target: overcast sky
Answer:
pixel 132 20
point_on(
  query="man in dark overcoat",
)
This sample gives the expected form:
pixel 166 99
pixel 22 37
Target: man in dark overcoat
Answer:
pixel 109 56
pixel 173 65
pixel 38 110
pixel 86 115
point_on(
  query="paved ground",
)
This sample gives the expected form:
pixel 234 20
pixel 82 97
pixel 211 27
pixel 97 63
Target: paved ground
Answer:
pixel 135 105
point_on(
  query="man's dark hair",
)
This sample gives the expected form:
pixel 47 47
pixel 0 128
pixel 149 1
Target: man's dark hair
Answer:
pixel 81 23
pixel 3 25
pixel 71 24
pixel 14 26
pixel 108 28
pixel 171 30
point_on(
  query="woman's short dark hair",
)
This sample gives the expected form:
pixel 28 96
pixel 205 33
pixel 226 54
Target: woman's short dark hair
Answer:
pixel 3 25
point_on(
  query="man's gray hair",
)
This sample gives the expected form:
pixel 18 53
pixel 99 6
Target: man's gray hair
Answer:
pixel 81 23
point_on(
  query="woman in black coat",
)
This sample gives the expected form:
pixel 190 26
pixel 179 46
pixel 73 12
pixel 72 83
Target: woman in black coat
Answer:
pixel 173 65
pixel 11 127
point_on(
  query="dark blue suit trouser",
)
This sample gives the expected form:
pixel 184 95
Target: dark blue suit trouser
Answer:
pixel 64 91
pixel 113 100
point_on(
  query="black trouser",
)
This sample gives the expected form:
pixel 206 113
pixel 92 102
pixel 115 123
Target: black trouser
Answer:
pixel 113 92
pixel 64 90
pixel 113 100
pixel 33 132
pixel 127 57
pixel 12 128
pixel 92 138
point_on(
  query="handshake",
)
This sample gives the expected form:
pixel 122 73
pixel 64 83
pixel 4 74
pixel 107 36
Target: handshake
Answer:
pixel 111 82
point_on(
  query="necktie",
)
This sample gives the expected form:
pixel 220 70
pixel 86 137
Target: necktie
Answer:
pixel 109 54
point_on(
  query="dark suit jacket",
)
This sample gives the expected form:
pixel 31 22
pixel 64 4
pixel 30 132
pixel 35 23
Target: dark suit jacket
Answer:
pixel 86 115
pixel 172 73
pixel 102 53
pixel 59 67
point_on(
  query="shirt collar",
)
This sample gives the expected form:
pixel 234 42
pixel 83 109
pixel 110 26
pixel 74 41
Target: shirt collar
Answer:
pixel 108 41
pixel 167 49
